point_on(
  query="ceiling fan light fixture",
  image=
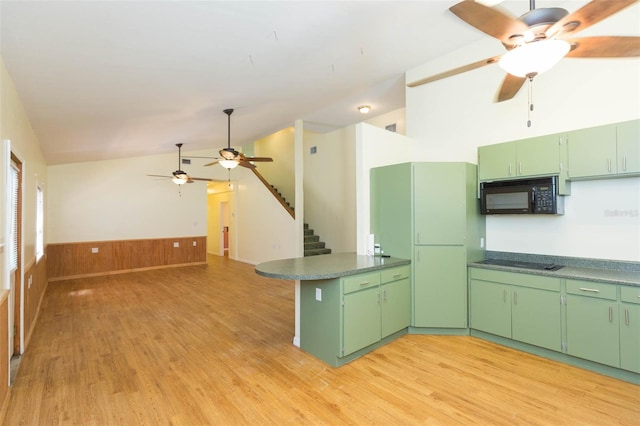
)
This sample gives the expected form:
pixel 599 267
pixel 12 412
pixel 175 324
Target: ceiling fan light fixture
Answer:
pixel 228 164
pixel 179 180
pixel 534 58
pixel 364 109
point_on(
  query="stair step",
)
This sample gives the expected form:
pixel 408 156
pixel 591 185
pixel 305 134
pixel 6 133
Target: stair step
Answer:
pixel 306 226
pixel 314 245
pixel 316 252
pixel 311 238
pixel 308 232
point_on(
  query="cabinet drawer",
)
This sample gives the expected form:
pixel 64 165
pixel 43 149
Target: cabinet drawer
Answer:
pixel 361 281
pixel 516 278
pixel 630 294
pixel 592 289
pixel 395 274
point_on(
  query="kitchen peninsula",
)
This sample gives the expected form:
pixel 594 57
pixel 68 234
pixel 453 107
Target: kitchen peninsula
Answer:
pixel 349 304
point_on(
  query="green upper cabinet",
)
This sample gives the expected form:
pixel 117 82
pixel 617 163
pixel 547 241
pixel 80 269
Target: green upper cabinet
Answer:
pixel 610 150
pixel 539 156
pixel 496 161
pixel 628 147
pixel 440 209
pixel 592 152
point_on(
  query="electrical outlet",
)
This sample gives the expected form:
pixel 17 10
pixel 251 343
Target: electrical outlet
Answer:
pixel 95 249
pixel 176 244
pixel 30 280
pixel 195 244
pixel 319 294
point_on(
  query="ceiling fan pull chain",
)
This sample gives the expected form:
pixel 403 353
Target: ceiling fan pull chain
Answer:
pixel 530 103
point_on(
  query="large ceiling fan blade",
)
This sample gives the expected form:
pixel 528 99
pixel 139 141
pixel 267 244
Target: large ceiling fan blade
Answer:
pixel 489 20
pixel 589 14
pixel 604 47
pixel 191 178
pixel 455 71
pixel 212 163
pixel 247 164
pixel 510 86
pixel 257 159
pixel 162 176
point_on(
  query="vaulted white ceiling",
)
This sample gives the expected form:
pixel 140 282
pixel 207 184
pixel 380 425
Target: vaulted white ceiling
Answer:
pixel 104 79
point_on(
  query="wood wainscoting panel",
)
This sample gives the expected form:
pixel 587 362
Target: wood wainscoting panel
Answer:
pixel 74 260
pixel 35 284
pixel 4 354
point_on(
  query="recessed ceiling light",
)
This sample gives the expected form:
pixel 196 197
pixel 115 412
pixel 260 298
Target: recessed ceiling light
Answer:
pixel 364 109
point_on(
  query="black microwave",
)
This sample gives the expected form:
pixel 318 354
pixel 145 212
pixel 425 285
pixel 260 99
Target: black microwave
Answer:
pixel 524 196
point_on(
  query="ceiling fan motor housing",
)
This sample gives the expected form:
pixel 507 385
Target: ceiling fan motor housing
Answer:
pixel 539 21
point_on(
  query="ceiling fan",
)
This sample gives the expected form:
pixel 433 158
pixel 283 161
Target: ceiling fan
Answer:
pixel 539 39
pixel 180 177
pixel 232 158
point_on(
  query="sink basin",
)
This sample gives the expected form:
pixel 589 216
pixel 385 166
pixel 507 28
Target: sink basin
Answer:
pixel 524 265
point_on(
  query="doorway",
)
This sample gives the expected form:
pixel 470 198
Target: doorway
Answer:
pixel 224 228
pixel 15 253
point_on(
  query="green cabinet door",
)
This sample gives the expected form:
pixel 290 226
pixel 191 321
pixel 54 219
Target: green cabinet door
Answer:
pixel 630 328
pixel 440 203
pixel 361 319
pixel 490 308
pixel 535 317
pixel 628 138
pixel 496 161
pixel 440 287
pixel 396 306
pixel 538 156
pixel 391 220
pixel 630 337
pixel 592 152
pixel 593 332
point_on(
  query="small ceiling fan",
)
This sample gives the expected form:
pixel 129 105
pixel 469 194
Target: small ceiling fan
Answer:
pixel 232 158
pixel 539 39
pixel 180 177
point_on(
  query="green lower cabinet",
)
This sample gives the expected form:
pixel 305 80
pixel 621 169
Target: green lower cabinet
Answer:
pixel 396 306
pixel 536 317
pixel 440 289
pixel 361 319
pixel 630 329
pixel 517 306
pixel 343 318
pixel 593 330
pixel 490 308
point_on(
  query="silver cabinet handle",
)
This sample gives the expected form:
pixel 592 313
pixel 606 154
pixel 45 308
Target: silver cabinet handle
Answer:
pixel 504 292
pixel 397 275
pixel 610 313
pixel 515 297
pixel 609 164
pixel 520 167
pixel 624 163
pixel 379 301
pixel 626 316
pixel 509 169
pixel 590 290
pixel 384 295
pixel 364 283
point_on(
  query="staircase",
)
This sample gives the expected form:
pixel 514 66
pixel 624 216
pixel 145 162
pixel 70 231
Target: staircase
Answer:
pixel 312 244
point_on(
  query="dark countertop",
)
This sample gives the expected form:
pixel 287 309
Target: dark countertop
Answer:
pixel 606 271
pixel 326 266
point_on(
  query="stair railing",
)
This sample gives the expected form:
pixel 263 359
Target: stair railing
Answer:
pixel 271 189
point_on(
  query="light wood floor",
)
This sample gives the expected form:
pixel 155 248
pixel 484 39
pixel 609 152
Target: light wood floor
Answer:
pixel 211 344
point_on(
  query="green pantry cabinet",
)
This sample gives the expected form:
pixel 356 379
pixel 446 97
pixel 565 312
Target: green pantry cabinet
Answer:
pixel 595 321
pixel 429 213
pixel 348 316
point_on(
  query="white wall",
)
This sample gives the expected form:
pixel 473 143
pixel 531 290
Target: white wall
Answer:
pixel 330 187
pixel 397 117
pixel 280 173
pixel 452 117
